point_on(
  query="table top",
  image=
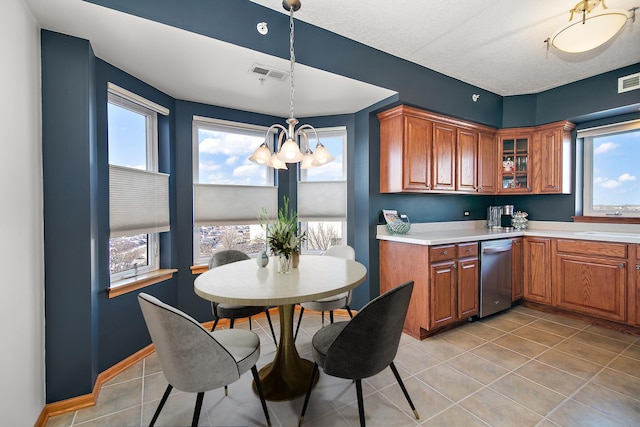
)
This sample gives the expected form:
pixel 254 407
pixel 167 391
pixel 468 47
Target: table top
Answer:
pixel 245 283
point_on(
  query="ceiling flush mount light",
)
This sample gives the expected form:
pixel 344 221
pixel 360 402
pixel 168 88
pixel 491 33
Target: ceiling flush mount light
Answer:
pixel 289 151
pixel 590 28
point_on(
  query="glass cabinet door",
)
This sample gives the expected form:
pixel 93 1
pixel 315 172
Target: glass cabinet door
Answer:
pixel 515 164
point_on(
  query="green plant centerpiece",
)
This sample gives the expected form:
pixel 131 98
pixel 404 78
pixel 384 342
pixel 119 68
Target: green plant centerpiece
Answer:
pixel 283 236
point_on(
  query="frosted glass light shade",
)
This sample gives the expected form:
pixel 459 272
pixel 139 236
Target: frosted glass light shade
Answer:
pixel 262 155
pixel 290 152
pixel 307 160
pixel 597 29
pixel 322 155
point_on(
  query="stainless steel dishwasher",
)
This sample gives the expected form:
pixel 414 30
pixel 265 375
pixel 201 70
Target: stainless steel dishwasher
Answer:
pixel 495 276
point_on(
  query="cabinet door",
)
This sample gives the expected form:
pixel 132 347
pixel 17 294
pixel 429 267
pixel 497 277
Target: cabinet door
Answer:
pixel 442 294
pixel 467 160
pixel 591 285
pixel 417 154
pixel 548 161
pixel 517 273
pixel 515 162
pixel 444 156
pixel 487 159
pixel 468 274
pixel 537 269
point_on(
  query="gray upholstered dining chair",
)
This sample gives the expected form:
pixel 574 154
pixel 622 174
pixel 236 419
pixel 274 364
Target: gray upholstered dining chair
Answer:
pixel 363 346
pixel 195 360
pixel 332 302
pixel 229 311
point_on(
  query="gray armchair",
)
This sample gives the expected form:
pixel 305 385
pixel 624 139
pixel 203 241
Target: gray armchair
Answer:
pixel 332 302
pixel 363 346
pixel 233 312
pixel 195 360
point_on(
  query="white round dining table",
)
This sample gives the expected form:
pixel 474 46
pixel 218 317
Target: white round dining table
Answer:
pixel 245 283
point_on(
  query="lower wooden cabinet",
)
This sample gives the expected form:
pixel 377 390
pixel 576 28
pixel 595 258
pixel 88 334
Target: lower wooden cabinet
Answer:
pixel 537 269
pixel 634 294
pixel 445 282
pixel 517 269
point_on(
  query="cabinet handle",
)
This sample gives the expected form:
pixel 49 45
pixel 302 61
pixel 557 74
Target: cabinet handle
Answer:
pixel 445 252
pixel 455 265
pixel 621 265
pixel 469 250
pixel 637 267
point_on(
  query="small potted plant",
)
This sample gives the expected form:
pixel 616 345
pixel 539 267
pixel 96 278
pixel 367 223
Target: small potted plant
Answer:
pixel 283 237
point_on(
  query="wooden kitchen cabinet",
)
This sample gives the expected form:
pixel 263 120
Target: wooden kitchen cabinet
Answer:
pixel 445 282
pixel 591 277
pixel 537 271
pixel 487 163
pixel 634 287
pixel 467 160
pixel 514 160
pixel 444 157
pixel 517 269
pixel 551 158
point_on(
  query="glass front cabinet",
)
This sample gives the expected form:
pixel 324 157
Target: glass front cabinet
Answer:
pixel 514 168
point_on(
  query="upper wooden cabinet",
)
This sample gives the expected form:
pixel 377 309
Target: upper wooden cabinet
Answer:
pixel 427 152
pixel 514 160
pixel 552 158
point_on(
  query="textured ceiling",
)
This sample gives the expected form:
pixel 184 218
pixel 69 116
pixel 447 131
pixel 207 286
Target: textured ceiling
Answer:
pixel 496 45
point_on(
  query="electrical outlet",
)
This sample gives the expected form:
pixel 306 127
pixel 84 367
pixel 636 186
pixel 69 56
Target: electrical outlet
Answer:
pixel 467 213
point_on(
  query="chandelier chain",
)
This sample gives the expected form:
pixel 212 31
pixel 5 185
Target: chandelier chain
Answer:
pixel 292 57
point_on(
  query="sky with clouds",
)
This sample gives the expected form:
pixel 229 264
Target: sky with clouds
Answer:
pixel 616 169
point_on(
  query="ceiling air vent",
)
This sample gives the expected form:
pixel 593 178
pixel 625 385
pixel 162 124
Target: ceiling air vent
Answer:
pixel 630 82
pixel 264 71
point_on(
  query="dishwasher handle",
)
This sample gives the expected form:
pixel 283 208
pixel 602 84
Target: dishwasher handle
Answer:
pixel 496 250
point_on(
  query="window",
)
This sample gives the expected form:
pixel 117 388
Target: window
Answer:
pixel 138 194
pixel 322 194
pixel 229 190
pixel 611 171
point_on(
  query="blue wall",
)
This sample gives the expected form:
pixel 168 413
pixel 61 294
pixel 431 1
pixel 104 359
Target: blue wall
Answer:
pixel 86 332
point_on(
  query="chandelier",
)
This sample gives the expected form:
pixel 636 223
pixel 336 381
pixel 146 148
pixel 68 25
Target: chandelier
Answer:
pixel 592 30
pixel 289 151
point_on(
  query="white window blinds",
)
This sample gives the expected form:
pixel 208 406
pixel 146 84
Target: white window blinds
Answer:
pixel 322 200
pixel 138 201
pixel 232 204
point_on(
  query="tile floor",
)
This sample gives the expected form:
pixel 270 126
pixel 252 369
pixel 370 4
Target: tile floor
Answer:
pixel 518 368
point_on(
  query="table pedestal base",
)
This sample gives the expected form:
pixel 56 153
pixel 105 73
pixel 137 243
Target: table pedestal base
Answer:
pixel 287 377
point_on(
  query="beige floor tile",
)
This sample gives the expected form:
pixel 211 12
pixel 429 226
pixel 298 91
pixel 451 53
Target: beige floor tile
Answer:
pixel 567 321
pixel 574 414
pixel 462 339
pixel 633 352
pixel 529 394
pixel 620 382
pixel 440 349
pixel 554 328
pixel 481 330
pixel 328 419
pixel 520 345
pixel 63 420
pixel 477 368
pixel 385 378
pixel 454 416
pixel 152 364
pixel 426 400
pixel 627 365
pixel 548 376
pixel 517 317
pixel 612 333
pixel 131 373
pixel 177 411
pixel 497 410
pixel 537 335
pixel 413 360
pixel 615 405
pixel 600 341
pixel 379 412
pixel 127 417
pixel 115 398
pixel 451 383
pixel 571 364
pixel 500 356
pixel 501 323
pixel 586 351
pixel 528 311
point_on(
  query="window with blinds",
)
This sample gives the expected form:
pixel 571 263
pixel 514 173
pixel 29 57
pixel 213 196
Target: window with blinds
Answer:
pixel 138 193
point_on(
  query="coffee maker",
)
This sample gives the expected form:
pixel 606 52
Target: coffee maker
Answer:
pixel 499 217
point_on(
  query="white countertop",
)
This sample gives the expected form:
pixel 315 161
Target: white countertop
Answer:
pixel 440 233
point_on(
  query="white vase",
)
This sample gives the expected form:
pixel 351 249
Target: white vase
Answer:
pixel 262 259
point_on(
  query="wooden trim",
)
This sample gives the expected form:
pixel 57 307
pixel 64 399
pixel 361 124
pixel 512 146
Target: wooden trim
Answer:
pixel 199 269
pixel 141 281
pixel 607 219
pixel 87 400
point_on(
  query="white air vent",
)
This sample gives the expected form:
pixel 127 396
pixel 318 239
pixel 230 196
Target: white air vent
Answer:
pixel 264 71
pixel 630 82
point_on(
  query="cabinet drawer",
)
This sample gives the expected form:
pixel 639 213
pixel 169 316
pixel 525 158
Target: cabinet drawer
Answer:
pixel 467 250
pixel 442 252
pixel 588 247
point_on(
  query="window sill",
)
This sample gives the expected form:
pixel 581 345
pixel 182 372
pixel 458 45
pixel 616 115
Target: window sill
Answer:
pixel 142 280
pixel 199 269
pixel 607 219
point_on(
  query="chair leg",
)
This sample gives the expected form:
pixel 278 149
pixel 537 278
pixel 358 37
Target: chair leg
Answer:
pixel 404 390
pixel 162 402
pixel 275 341
pixel 299 321
pixel 331 316
pixel 360 402
pixel 231 323
pixel 314 372
pixel 196 412
pixel 322 314
pixel 215 323
pixel 250 327
pixel 349 311
pixel 256 379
